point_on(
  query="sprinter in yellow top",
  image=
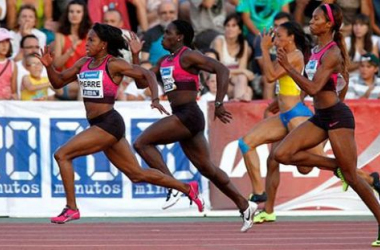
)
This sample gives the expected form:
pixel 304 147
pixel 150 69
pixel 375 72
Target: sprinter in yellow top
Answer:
pixel 291 38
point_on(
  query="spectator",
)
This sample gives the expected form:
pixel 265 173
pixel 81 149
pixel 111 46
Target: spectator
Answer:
pixel 258 15
pixel 360 42
pixel 99 7
pixel 70 42
pixel 3 12
pixel 350 10
pixel 210 95
pixel 234 52
pixel 34 85
pixel 114 18
pixel 207 19
pixel 374 6
pixel 152 49
pixel 366 84
pixel 8 70
pixel 43 8
pixel 26 23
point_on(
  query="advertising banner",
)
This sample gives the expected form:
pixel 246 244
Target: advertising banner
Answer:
pixel 319 190
pixel 30 181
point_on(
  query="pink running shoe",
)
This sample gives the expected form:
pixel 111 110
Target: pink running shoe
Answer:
pixel 67 215
pixel 194 196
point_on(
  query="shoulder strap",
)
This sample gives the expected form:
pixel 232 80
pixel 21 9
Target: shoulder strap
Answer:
pixel 5 67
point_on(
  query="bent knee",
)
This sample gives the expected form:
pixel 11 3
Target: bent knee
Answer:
pixel 136 177
pixel 138 145
pixel 282 156
pixel 243 146
pixel 304 170
pixel 59 155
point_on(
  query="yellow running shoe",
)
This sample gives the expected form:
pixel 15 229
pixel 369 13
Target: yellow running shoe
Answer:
pixel 338 173
pixel 263 216
pixel 376 243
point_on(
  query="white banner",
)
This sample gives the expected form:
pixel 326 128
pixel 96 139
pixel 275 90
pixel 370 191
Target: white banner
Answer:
pixel 30 184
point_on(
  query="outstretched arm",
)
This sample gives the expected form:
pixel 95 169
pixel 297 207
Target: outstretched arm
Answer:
pixel 138 73
pixel 59 79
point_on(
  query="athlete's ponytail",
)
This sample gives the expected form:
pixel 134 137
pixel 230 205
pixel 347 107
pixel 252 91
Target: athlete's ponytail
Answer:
pixel 334 14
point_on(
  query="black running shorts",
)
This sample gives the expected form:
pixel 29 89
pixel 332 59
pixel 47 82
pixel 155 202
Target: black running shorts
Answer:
pixel 111 122
pixel 337 116
pixel 191 116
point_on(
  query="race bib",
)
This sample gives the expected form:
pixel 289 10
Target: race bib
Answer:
pixel 167 78
pixel 311 68
pixel 91 83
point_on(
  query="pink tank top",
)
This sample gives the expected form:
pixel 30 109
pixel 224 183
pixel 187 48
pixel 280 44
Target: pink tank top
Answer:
pixel 336 81
pixel 96 84
pixel 174 77
pixel 6 80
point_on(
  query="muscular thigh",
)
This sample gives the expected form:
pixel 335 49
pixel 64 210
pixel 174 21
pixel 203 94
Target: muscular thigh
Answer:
pixel 266 131
pixel 89 141
pixel 197 150
pixel 305 136
pixel 122 157
pixel 167 130
pixel 344 147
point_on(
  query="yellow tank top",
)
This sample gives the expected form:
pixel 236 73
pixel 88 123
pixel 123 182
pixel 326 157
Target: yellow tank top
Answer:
pixel 288 87
pixel 27 95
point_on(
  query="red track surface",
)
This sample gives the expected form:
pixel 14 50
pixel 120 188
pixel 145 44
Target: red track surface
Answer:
pixel 185 236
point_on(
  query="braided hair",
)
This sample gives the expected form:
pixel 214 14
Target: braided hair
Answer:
pixel 113 37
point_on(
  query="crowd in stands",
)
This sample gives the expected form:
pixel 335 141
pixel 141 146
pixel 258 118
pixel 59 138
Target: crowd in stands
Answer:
pixel 227 30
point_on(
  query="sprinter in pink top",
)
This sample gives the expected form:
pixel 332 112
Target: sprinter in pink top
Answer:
pixel 99 75
pixel 333 119
pixel 179 72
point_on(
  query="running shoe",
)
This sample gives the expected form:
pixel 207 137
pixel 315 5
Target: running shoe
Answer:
pixel 263 216
pixel 195 196
pixel 338 173
pixel 247 216
pixel 376 182
pixel 376 243
pixel 66 215
pixel 258 198
pixel 172 198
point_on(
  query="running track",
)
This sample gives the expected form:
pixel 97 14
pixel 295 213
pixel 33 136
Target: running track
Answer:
pixel 187 233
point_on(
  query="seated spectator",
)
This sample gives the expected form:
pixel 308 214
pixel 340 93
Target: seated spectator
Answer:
pixel 152 10
pixel 113 17
pixel 26 23
pixel 99 7
pixel 211 86
pixel 366 84
pixel 360 42
pixel 152 49
pixel 70 44
pixel 234 52
pixel 258 15
pixel 44 11
pixel 3 12
pixel 207 19
pixel 34 86
pixel 8 69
